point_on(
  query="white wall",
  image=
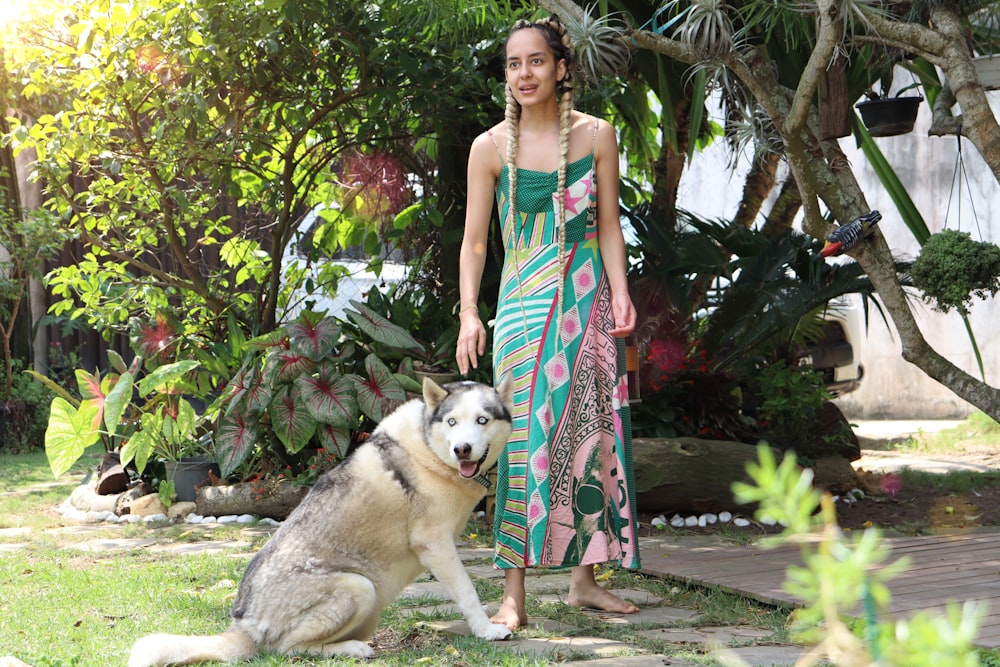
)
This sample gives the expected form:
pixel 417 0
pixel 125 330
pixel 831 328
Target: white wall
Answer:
pixel 893 388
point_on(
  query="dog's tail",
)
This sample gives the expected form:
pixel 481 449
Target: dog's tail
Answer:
pixel 157 650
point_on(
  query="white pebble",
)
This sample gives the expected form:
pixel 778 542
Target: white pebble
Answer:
pixel 768 520
pixel 228 518
pixel 709 518
pixel 479 515
pixel 132 518
pixel 156 518
pixel 268 521
pixel 224 583
pixel 725 517
pixel 741 522
pixel 246 518
pixel 677 521
pixel 208 519
pixel 702 521
pixel 691 521
pixel 659 521
pixel 193 518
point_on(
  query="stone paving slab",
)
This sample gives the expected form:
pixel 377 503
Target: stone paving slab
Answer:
pixel 484 572
pixel 760 656
pixel 709 635
pixel 638 598
pixel 554 647
pixel 634 661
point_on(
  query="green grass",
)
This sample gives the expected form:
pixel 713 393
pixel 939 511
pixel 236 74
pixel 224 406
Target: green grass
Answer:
pixel 65 606
pixel 977 430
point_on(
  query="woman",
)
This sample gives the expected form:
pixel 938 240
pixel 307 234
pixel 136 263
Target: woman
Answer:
pixel 564 308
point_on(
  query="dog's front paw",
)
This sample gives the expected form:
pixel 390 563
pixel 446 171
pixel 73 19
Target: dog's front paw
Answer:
pixel 494 632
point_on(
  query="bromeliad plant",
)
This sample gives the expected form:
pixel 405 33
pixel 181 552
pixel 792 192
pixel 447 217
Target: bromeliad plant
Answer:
pixel 307 385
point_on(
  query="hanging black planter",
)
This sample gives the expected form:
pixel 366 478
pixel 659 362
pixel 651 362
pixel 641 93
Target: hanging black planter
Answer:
pixel 889 116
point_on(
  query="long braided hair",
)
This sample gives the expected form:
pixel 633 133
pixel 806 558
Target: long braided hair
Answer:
pixel 558 40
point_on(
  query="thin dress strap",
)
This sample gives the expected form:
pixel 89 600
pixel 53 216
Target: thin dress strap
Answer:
pixel 593 145
pixel 500 153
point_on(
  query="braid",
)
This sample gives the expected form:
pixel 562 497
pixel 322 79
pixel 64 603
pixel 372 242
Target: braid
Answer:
pixel 513 115
pixel 565 51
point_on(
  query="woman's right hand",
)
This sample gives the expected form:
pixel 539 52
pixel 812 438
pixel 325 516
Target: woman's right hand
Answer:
pixel 471 342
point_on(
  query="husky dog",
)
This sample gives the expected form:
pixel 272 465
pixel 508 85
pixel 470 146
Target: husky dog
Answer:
pixel 364 532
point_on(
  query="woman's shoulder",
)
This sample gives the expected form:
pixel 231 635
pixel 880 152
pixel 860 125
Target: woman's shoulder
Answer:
pixel 584 122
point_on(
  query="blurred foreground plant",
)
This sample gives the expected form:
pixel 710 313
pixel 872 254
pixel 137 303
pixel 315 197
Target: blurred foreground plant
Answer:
pixel 841 574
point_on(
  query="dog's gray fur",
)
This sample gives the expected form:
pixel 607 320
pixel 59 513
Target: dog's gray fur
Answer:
pixel 366 530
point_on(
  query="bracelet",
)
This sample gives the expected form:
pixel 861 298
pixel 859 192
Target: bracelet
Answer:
pixel 472 307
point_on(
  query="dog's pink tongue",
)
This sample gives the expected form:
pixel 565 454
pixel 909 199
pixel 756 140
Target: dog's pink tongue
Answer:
pixel 468 468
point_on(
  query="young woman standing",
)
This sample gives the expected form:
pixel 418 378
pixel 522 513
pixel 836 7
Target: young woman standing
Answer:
pixel 564 487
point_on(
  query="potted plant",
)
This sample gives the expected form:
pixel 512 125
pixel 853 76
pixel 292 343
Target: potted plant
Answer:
pixel 143 411
pixel 886 116
pixel 952 268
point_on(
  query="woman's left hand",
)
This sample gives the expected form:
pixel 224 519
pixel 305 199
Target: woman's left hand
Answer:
pixel 624 313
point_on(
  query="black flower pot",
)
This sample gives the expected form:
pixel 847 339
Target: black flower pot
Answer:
pixel 188 474
pixel 889 116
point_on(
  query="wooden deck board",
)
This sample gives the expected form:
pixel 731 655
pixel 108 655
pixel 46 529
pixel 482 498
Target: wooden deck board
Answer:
pixel 942 569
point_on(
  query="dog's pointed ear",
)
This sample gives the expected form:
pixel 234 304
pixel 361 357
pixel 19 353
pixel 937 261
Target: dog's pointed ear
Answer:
pixel 433 393
pixel 506 390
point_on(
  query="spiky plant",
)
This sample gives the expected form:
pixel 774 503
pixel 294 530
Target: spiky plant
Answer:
pixel 598 41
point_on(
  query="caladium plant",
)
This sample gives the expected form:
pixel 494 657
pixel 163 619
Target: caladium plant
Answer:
pixel 308 383
pixel 140 408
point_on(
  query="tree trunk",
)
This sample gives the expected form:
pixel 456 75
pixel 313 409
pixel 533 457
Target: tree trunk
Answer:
pixel 249 498
pixel 756 188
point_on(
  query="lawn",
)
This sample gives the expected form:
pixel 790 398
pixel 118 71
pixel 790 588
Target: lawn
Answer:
pixel 66 602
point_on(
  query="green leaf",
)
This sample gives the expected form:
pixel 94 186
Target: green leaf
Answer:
pixel 380 392
pixel 164 375
pixel 313 339
pixel 116 402
pixel 330 399
pixel 381 330
pixel 141 446
pixel 235 439
pixel 291 420
pixel 70 432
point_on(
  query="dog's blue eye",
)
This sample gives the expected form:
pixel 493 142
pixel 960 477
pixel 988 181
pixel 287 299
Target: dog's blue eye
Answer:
pixel 452 422
pixel 482 420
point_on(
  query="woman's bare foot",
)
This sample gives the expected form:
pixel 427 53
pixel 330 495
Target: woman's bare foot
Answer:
pixel 512 612
pixel 584 591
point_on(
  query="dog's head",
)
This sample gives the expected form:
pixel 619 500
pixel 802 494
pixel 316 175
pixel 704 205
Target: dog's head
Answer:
pixel 467 424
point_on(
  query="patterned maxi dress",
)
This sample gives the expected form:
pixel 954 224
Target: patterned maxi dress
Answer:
pixel 567 498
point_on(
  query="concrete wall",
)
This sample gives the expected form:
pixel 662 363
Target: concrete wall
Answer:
pixel 893 388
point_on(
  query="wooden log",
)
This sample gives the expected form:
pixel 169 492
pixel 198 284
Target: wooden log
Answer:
pixel 689 474
pixel 275 501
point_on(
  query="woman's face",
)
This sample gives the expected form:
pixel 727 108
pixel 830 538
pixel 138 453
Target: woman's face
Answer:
pixel 532 69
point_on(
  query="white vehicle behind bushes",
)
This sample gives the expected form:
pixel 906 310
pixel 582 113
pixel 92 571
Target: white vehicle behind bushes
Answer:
pixel 329 284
